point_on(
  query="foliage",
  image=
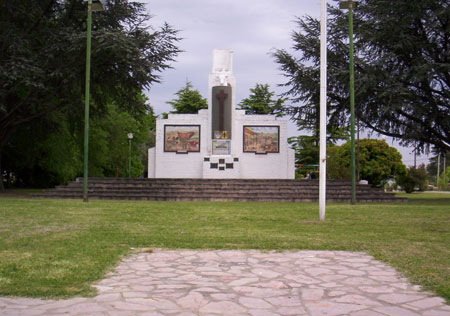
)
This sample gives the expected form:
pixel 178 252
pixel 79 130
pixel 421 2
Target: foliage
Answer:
pixel 261 101
pixel 306 154
pixel 187 101
pixel 58 248
pixel 432 165
pixel 47 153
pixel 444 179
pixel 401 64
pixel 414 179
pixel 377 160
pixel 42 60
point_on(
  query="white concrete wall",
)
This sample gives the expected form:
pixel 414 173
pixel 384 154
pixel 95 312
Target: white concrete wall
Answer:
pixel 225 173
pixel 249 165
pixel 151 162
pixel 263 166
pixel 188 165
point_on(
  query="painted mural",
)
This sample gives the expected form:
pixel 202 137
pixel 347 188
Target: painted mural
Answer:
pixel 182 138
pixel 262 139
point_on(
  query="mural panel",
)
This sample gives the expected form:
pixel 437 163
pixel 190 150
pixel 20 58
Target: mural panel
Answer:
pixel 262 139
pixel 182 138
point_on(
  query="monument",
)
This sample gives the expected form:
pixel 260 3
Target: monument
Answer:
pixel 221 141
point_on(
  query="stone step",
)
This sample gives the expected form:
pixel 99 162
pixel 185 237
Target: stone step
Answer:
pixel 220 198
pixel 217 190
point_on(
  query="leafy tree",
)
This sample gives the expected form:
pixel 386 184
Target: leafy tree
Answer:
pixel 42 60
pixel 306 154
pixel 44 155
pixel 187 101
pixel 261 101
pixel 432 166
pixel 378 162
pixel 402 70
pixel 414 178
pixel 443 181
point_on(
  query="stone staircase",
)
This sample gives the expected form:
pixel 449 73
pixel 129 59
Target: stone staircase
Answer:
pixel 269 190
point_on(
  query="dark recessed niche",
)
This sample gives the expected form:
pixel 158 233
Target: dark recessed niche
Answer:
pixel 206 159
pixel 214 165
pixel 229 166
pixel 221 168
pixel 221 161
pixel 236 159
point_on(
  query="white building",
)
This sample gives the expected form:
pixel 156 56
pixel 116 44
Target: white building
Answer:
pixel 221 142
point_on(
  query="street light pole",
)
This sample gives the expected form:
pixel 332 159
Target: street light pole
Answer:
pixel 323 110
pixel 86 102
pixel 91 6
pixel 350 5
pixel 130 137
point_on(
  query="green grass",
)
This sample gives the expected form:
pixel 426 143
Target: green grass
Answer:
pixel 58 248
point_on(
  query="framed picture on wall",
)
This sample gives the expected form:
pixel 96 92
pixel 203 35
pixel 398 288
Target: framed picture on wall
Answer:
pixel 182 138
pixel 261 139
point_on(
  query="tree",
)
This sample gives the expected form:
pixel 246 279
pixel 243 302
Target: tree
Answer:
pixel 188 100
pixel 42 60
pixel 415 178
pixel 378 162
pixel 433 164
pixel 39 156
pixel 402 66
pixel 261 101
pixel 443 181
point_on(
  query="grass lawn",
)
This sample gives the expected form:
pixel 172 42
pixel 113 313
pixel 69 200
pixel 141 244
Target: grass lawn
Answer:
pixel 58 248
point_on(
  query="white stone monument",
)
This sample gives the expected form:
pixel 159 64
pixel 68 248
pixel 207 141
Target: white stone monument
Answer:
pixel 221 142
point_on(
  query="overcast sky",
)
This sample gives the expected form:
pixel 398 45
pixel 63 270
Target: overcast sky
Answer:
pixel 251 28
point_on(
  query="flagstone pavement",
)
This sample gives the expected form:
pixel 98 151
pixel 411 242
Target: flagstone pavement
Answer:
pixel 238 283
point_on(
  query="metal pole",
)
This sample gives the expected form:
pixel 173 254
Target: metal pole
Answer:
pixel 86 102
pixel 352 104
pixel 129 158
pixel 438 167
pixel 358 150
pixel 323 109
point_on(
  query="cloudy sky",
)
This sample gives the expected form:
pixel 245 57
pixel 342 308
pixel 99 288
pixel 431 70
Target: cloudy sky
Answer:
pixel 251 28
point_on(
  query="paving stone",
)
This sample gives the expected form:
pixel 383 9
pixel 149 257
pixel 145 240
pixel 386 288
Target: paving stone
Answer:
pixel 312 294
pixel 129 306
pixel 222 307
pixel 395 298
pixel 427 302
pixel 284 301
pixel 395 311
pixel 356 299
pixel 265 273
pixel 257 312
pixel 377 289
pixel 298 310
pixel 244 283
pixel 192 301
pixel 331 309
pixel 366 312
pixel 82 308
pixel 436 313
pixel 254 303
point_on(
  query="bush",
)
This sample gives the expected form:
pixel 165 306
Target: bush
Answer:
pixel 415 179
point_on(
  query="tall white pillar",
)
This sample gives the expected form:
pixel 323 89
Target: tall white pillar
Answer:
pixel 323 109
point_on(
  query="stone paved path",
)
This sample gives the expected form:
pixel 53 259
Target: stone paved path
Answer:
pixel 250 283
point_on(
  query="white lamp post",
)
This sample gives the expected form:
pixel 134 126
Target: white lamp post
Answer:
pixel 323 109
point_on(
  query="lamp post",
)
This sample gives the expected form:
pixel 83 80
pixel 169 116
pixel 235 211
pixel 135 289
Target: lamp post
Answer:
pixel 323 110
pixel 350 5
pixel 93 5
pixel 130 137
